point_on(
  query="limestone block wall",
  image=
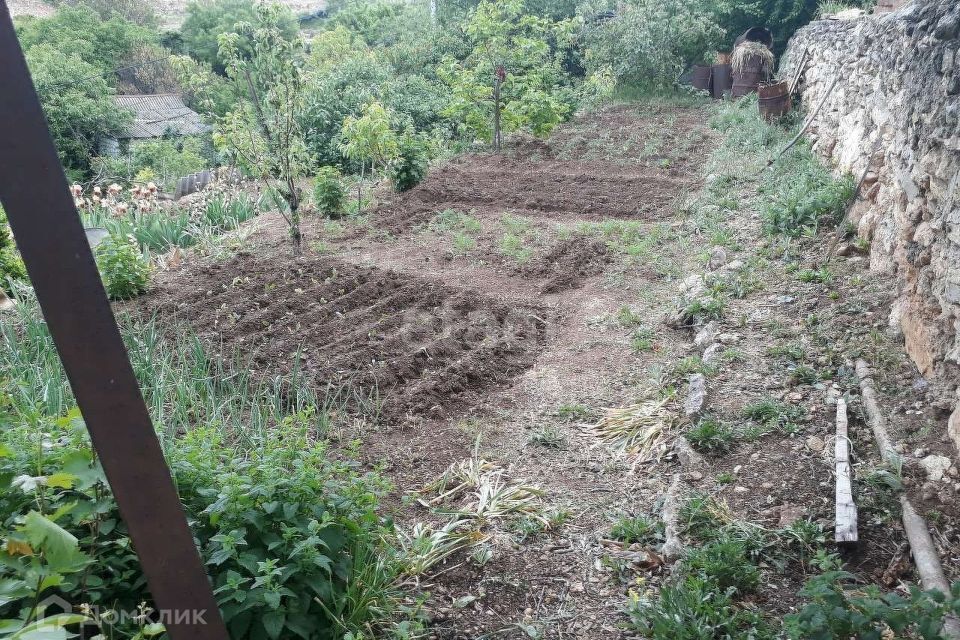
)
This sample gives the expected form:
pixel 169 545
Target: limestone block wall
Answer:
pixel 897 106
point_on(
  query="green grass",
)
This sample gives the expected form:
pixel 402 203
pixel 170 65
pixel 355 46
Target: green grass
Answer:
pixel 183 383
pixel 549 437
pixel 710 435
pixel 637 529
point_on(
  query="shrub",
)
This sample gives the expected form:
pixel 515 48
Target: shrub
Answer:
pixel 328 192
pixel 290 538
pixel 411 164
pixel 124 271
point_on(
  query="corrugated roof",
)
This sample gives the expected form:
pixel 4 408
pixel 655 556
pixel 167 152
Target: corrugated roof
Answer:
pixel 154 115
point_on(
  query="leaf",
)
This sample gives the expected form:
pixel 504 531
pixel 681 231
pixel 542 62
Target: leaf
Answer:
pixel 58 545
pixel 18 547
pixel 273 623
pixel 61 480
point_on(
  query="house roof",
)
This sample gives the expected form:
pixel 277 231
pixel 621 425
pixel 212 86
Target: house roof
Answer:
pixel 154 115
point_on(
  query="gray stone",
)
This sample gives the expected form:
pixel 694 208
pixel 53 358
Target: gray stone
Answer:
pixel 696 395
pixel 718 258
pixel 936 466
pixel 706 335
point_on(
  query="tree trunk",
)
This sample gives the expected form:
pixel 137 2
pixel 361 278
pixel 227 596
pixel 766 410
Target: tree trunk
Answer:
pixel 497 138
pixel 293 200
pixel 363 166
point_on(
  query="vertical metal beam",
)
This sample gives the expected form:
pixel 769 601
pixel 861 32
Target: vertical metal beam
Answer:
pixel 35 194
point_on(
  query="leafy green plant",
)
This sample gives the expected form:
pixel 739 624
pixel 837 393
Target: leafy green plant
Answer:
pixel 369 139
pixel 328 192
pixel 694 609
pixel 11 265
pixel 410 166
pixel 835 610
pixel 124 271
pixel 726 564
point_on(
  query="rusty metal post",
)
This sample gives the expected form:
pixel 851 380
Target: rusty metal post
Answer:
pixel 35 194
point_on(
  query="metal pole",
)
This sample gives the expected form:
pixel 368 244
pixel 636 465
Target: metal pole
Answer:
pixel 35 194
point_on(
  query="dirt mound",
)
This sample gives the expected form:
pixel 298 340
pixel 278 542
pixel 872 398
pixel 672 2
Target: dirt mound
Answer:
pixel 568 263
pixel 421 345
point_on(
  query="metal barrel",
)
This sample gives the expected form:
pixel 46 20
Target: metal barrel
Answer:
pixel 702 76
pixel 774 99
pixel 748 80
pixel 722 79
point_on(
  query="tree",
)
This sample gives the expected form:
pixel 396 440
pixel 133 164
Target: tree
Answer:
pixel 208 20
pixel 369 138
pixel 263 132
pixel 78 114
pixel 513 77
pixel 648 43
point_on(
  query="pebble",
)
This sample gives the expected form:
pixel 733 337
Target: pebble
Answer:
pixel 718 258
pixel 815 443
pixel 737 469
pixel 741 490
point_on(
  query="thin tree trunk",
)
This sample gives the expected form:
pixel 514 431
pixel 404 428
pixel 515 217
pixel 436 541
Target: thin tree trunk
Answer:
pixel 363 167
pixel 497 140
pixel 293 199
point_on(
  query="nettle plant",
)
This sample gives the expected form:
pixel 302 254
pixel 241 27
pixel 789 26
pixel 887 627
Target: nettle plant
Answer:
pixel 291 538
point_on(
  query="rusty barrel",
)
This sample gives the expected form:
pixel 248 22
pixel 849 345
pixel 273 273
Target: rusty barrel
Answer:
pixel 702 75
pixel 774 99
pixel 747 81
pixel 722 79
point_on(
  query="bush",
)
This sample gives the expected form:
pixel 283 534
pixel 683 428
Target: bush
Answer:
pixel 291 536
pixel 291 539
pixel 411 165
pixel 124 271
pixel 328 192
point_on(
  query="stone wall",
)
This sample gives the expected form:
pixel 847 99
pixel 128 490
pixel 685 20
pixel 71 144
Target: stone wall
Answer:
pixel 897 106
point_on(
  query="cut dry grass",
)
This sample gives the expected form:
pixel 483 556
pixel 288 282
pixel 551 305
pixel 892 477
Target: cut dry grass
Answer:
pixel 426 545
pixel 642 431
pixel 749 54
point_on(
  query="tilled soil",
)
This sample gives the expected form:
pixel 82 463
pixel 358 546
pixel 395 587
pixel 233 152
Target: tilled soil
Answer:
pixel 525 322
pixel 422 345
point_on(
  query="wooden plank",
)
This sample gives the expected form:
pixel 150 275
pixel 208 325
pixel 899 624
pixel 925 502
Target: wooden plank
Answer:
pixel 846 528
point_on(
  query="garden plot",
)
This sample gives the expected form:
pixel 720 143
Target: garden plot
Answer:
pixel 407 343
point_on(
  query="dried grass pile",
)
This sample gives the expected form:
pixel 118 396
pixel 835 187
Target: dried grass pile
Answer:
pixel 750 56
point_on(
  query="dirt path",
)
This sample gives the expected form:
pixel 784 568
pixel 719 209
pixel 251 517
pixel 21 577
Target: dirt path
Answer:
pixel 508 301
